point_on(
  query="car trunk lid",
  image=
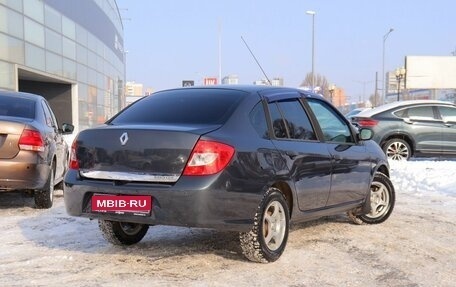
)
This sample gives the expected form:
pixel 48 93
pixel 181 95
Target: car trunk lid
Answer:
pixel 139 153
pixel 10 133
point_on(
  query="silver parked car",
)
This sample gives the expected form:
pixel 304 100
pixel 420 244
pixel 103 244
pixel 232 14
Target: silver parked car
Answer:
pixel 412 128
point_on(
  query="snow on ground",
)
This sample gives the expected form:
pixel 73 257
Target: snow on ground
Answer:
pixel 425 177
pixel 415 247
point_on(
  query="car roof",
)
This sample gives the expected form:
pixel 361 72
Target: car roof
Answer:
pixel 20 94
pixel 393 105
pixel 266 91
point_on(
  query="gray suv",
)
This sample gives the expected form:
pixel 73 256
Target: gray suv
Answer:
pixel 412 128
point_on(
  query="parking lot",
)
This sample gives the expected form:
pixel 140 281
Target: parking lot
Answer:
pixel 415 247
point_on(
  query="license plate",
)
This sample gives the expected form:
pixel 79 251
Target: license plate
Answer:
pixel 122 204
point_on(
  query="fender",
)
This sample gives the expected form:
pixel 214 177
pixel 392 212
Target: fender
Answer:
pixel 400 134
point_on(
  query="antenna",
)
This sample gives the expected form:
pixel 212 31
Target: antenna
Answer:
pixel 256 60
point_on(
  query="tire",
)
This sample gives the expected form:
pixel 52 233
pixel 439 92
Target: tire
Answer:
pixel 397 149
pixel 267 239
pixel 382 200
pixel 44 198
pixel 122 233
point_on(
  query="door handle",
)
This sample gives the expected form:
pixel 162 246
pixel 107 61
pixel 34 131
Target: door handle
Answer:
pixel 408 121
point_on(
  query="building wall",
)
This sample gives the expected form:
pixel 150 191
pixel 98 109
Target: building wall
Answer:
pixel 76 44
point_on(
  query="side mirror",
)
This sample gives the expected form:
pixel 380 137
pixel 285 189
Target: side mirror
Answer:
pixel 67 129
pixel 365 134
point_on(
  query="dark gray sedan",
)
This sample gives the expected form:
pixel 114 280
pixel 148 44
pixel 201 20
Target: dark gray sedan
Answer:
pixel 240 158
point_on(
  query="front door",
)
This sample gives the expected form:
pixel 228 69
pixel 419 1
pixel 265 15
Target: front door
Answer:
pixel 448 115
pixel 351 163
pixel 308 160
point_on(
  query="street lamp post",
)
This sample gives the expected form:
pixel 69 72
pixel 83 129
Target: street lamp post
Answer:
pixel 383 63
pixel 332 88
pixel 400 74
pixel 312 13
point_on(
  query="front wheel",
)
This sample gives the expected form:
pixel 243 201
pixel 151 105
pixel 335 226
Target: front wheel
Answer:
pixel 397 149
pixel 122 233
pixel 382 199
pixel 267 239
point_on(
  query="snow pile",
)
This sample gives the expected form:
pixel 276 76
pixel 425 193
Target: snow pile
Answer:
pixel 424 177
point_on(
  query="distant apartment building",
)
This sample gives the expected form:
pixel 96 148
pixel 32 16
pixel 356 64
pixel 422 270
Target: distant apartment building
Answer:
pixel 261 82
pixel 230 80
pixel 277 82
pixel 133 92
pixel 133 89
pixel 338 98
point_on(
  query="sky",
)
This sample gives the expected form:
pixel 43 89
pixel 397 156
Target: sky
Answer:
pixel 169 41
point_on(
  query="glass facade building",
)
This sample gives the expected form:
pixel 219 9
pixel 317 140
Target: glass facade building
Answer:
pixel 71 52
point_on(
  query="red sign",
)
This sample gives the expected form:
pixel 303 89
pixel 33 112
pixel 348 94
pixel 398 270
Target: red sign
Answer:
pixel 122 204
pixel 210 81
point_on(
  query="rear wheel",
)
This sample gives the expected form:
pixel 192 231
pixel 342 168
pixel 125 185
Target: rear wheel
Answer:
pixel 122 233
pixel 45 197
pixel 267 239
pixel 397 149
pixel 382 199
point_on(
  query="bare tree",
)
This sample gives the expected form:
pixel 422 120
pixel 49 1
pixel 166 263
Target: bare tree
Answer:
pixel 320 82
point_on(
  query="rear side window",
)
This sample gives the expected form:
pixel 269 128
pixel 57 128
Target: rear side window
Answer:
pixel 298 122
pixel 278 124
pixel 186 106
pixel 289 120
pixel 49 115
pixel 423 113
pixel 258 120
pixel 17 107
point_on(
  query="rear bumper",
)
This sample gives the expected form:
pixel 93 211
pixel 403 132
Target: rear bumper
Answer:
pixel 207 202
pixel 23 172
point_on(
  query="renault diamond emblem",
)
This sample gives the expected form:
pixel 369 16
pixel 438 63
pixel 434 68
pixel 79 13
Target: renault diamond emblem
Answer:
pixel 123 138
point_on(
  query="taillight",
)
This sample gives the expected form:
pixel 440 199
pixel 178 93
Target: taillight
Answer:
pixel 31 140
pixel 208 157
pixel 74 164
pixel 367 122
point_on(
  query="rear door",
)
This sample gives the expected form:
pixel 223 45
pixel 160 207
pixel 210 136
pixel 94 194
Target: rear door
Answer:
pixel 55 140
pixel 351 162
pixel 448 115
pixel 426 128
pixel 307 159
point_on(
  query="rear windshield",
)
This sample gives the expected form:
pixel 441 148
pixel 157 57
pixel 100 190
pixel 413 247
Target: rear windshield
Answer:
pixel 17 107
pixel 187 106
